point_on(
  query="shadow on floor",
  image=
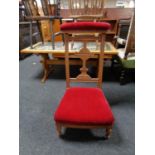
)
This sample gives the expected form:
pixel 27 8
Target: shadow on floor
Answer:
pixel 91 135
pixel 80 135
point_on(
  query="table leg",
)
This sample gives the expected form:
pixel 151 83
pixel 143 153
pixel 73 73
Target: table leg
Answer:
pixel 52 34
pixel 45 57
pixel 31 41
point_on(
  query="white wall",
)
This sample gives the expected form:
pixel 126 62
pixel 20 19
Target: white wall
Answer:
pixel 107 3
pixel 110 3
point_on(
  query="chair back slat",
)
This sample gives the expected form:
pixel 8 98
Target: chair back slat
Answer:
pixel 31 7
pixel 46 8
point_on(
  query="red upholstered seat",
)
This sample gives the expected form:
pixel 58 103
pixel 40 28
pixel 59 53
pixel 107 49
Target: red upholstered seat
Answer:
pixel 85 26
pixel 84 106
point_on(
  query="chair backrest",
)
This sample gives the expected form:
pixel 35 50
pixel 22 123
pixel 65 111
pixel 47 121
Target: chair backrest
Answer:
pixel 84 54
pixel 86 8
pixel 46 9
pixel 31 7
pixel 130 43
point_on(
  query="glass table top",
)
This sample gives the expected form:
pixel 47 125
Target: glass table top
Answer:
pixel 76 47
pixel 46 48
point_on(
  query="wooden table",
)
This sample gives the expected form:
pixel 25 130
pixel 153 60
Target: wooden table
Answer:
pixel 45 50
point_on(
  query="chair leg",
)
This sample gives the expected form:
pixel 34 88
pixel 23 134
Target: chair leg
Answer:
pixel 108 132
pixel 58 128
pixel 122 77
pixel 53 41
pixel 63 39
pixel 40 31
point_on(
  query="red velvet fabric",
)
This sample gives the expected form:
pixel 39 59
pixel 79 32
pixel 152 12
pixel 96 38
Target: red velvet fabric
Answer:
pixel 85 26
pixel 84 106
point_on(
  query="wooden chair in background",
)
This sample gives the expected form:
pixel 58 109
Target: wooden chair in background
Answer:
pixel 122 32
pixel 84 108
pixel 88 10
pixel 126 56
pixel 46 11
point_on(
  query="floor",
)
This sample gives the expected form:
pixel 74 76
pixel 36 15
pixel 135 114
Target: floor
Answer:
pixel 39 101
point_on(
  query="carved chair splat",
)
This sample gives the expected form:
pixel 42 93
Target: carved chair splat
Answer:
pixel 84 54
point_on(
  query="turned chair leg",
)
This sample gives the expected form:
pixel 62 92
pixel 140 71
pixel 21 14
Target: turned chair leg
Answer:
pixel 58 128
pixel 108 133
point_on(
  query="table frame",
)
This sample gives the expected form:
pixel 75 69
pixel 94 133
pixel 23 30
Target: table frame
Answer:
pixel 58 58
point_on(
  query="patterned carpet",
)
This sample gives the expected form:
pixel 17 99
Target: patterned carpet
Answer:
pixel 38 103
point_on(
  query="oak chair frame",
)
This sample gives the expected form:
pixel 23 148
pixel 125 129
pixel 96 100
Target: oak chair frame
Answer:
pixel 84 54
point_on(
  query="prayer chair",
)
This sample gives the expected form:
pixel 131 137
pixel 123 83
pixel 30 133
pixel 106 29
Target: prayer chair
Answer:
pixel 84 107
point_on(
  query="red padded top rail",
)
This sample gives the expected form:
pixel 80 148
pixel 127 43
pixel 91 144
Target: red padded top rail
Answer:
pixel 87 26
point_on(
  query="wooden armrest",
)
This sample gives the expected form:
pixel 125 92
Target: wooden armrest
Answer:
pixel 42 17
